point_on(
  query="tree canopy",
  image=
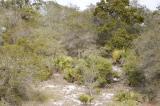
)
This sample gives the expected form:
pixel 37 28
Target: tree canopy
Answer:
pixel 113 15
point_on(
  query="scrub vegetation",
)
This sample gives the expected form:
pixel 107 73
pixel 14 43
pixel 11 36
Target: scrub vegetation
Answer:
pixel 40 39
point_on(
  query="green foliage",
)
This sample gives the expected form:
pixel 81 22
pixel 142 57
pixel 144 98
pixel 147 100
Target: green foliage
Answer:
pixel 121 39
pixel 29 15
pixel 67 66
pixel 148 49
pixel 118 9
pixel 15 3
pixel 64 39
pixel 98 90
pixel 63 62
pixel 43 74
pixel 35 45
pixel 124 103
pixel 18 66
pixel 88 72
pixel 101 81
pixel 90 69
pixel 114 19
pixel 74 29
pixel 134 76
pixel 117 55
pixel 104 67
pixel 101 67
pixel 70 75
pixel 84 98
pixel 126 96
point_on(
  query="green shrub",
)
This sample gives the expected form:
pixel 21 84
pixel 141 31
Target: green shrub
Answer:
pixel 121 39
pixel 17 68
pixel 105 51
pixel 84 98
pixel 126 95
pixel 116 55
pixel 104 67
pixel 70 68
pixel 148 49
pixel 29 15
pixel 124 103
pixel 43 74
pixel 100 70
pixel 134 76
pixel 101 82
pixel 70 75
pixel 63 62
pixel 97 90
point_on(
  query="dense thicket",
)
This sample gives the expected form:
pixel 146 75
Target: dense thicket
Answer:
pixel 34 39
pixel 39 39
pixel 142 64
pixel 147 48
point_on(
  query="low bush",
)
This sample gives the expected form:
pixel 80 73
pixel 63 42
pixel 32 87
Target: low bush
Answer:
pixel 19 69
pixel 92 68
pixel 85 98
pixel 101 82
pixel 117 55
pixel 70 75
pixel 99 68
pixel 126 95
pixel 104 67
pixel 73 75
pixel 135 78
pixel 97 90
pixel 124 103
pixel 43 74
pixel 63 62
